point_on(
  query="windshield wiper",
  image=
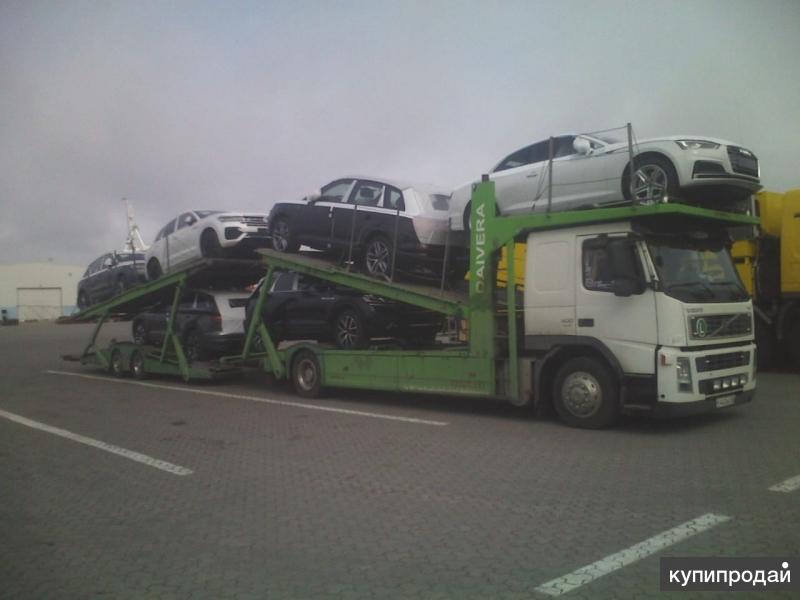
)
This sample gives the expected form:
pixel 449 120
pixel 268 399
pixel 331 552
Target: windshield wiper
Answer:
pixel 738 292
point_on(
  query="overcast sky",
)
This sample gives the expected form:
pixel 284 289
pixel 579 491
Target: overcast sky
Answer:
pixel 236 105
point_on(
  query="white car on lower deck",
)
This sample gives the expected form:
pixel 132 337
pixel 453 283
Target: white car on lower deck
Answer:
pixel 594 170
pixel 198 234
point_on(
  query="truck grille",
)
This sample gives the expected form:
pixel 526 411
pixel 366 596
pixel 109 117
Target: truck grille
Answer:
pixel 254 221
pixel 722 361
pixel 718 326
pixel 743 161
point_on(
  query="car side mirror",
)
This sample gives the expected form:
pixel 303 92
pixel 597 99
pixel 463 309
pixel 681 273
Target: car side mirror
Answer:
pixel 581 146
pixel 312 198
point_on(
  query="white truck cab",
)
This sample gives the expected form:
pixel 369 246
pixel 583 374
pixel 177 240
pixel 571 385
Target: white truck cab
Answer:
pixel 654 313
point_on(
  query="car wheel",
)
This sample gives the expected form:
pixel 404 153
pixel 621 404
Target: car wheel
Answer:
pixel 154 270
pixel 115 364
pixel 306 374
pixel 349 330
pixel 585 394
pixel 137 365
pixel 653 180
pixel 378 257
pixel 83 301
pixel 209 244
pixel 283 236
pixel 193 347
pixel 139 333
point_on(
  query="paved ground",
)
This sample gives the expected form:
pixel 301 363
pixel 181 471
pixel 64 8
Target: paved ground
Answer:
pixel 471 500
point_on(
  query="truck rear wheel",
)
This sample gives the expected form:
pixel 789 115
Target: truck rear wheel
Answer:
pixel 586 394
pixel 306 374
pixel 116 365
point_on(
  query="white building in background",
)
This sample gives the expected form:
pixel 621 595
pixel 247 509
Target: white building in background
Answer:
pixel 38 291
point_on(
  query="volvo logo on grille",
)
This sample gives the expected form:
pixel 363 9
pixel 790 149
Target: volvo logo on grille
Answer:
pixel 700 328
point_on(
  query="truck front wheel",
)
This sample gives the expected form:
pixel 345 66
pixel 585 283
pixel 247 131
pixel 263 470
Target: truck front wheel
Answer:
pixel 586 394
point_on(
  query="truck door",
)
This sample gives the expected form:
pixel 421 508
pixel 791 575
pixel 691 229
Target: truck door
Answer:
pixel 626 325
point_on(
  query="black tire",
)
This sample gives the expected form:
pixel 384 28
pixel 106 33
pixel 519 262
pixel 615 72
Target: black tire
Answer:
pixel 378 257
pixel 83 301
pixel 654 178
pixel 154 270
pixel 116 365
pixel 586 394
pixel 209 244
pixel 306 374
pixel 193 347
pixel 139 333
pixel 467 216
pixel 283 236
pixel 137 365
pixel 350 330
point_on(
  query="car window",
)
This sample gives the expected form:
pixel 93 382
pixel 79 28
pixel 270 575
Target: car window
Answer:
pixel 306 283
pixel 169 228
pixel 393 198
pixel 187 219
pixel 440 201
pixel 531 154
pixel 335 192
pixel 186 300
pixel 563 146
pixel 284 282
pixel 205 302
pixel 367 193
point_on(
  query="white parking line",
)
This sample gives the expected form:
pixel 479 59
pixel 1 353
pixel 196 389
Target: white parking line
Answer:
pixel 81 439
pixel 789 485
pixel 612 562
pixel 195 390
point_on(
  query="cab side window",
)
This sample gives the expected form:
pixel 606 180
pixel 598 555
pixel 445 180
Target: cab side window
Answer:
pixel 597 272
pixel 284 283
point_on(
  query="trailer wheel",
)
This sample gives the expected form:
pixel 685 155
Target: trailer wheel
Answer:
pixel 115 364
pixel 307 375
pixel 137 365
pixel 586 394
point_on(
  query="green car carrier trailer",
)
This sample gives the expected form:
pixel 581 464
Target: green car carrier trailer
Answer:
pixel 630 308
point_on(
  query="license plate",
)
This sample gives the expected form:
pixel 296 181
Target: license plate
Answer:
pixel 724 401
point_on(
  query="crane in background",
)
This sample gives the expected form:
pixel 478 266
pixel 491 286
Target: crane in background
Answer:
pixel 134 242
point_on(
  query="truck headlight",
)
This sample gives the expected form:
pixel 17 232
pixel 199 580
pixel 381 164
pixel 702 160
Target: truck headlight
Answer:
pixel 683 369
pixel 696 144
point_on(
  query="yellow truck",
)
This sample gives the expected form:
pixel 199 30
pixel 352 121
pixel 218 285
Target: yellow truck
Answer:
pixel 769 266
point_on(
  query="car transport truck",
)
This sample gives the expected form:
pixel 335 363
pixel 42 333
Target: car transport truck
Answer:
pixel 769 265
pixel 627 309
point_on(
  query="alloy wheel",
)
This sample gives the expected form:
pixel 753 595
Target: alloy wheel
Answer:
pixel 650 184
pixel 378 257
pixel 347 330
pixel 280 236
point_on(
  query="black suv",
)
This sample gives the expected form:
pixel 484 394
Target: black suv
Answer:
pixel 110 275
pixel 300 307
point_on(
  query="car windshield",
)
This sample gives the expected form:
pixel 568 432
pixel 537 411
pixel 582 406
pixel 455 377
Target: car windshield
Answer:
pixel 202 214
pixel 696 271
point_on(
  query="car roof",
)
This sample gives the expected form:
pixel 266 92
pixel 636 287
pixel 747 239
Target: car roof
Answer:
pixel 402 184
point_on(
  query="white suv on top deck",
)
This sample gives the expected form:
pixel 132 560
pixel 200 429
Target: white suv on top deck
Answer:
pixel 198 234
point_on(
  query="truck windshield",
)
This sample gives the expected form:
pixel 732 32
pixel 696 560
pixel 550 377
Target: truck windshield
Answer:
pixel 696 271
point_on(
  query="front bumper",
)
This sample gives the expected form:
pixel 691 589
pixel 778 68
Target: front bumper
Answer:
pixel 682 409
pixel 239 234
